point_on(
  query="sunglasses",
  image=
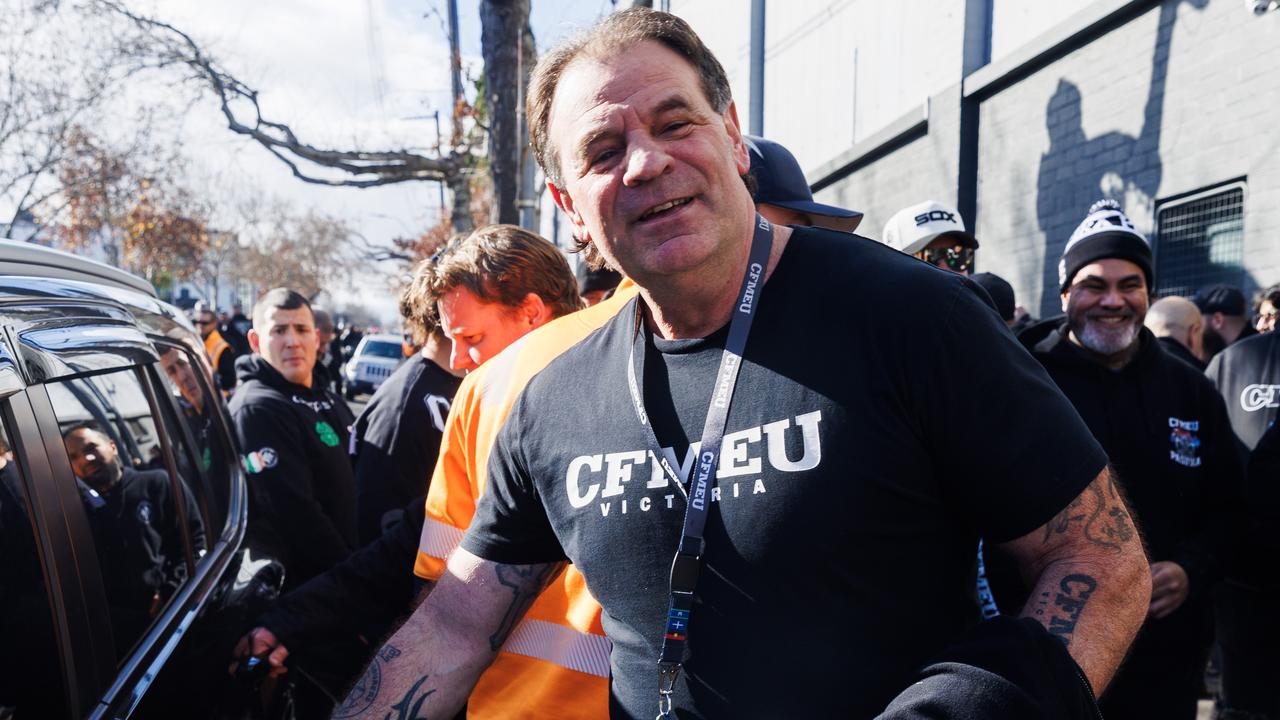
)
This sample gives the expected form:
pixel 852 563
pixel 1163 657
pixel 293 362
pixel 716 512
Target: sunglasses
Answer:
pixel 957 258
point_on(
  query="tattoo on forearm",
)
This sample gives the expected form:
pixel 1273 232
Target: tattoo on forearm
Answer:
pixel 525 583
pixel 1073 594
pixel 1107 525
pixel 411 704
pixel 365 691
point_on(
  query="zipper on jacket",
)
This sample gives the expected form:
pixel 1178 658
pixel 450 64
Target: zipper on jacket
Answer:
pixel 1093 700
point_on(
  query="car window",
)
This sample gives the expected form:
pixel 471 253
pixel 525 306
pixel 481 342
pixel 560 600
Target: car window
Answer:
pixel 145 526
pixel 191 420
pixel 31 682
pixel 381 349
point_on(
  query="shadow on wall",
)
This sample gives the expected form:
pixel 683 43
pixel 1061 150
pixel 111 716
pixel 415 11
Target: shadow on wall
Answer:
pixel 1078 170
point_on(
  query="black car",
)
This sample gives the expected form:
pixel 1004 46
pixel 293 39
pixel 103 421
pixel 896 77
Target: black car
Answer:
pixel 125 577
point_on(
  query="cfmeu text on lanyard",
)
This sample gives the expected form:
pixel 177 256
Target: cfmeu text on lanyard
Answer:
pixel 688 559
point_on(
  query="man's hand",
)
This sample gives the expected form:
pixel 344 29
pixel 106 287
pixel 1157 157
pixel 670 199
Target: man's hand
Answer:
pixel 261 642
pixel 1169 588
pixel 1091 585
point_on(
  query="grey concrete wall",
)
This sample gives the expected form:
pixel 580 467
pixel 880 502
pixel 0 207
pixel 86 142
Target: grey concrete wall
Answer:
pixel 924 169
pixel 1182 97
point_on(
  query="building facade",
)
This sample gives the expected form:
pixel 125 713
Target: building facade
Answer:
pixel 1023 113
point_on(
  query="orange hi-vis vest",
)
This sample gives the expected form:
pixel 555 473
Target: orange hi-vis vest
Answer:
pixel 556 662
pixel 215 346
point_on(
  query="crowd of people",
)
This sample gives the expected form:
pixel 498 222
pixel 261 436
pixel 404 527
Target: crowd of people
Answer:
pixel 725 470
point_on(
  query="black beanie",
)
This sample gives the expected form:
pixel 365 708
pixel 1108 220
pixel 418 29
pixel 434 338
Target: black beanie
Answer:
pixel 1106 233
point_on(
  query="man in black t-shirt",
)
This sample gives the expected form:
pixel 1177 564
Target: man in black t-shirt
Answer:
pixel 396 438
pixel 854 478
pixel 1167 434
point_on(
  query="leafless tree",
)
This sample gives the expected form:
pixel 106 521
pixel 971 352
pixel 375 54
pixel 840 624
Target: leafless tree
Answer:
pixel 48 93
pixel 454 166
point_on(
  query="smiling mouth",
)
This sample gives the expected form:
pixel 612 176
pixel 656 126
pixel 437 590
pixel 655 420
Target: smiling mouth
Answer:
pixel 665 207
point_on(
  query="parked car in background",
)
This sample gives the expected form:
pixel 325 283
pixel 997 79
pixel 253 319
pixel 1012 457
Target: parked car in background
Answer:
pixel 117 599
pixel 375 358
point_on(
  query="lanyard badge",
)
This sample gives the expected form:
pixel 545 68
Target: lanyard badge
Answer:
pixel 688 559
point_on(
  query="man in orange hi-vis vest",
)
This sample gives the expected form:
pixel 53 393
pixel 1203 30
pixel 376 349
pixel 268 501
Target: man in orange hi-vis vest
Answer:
pixel 555 664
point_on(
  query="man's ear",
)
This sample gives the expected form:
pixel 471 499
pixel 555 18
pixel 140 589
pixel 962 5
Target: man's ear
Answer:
pixel 253 339
pixel 565 203
pixel 534 310
pixel 1065 296
pixel 741 156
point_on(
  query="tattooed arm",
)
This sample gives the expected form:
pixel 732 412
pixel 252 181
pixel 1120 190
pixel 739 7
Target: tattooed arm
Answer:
pixel 1089 577
pixel 428 667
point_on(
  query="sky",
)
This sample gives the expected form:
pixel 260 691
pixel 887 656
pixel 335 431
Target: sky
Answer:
pixel 345 74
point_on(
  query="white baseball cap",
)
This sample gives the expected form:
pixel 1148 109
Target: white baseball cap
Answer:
pixel 912 228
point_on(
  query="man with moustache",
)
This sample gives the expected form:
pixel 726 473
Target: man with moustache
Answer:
pixel 1166 431
pixel 853 480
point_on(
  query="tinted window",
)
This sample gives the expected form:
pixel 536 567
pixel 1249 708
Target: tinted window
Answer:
pixel 135 509
pixel 30 675
pixel 381 349
pixel 191 421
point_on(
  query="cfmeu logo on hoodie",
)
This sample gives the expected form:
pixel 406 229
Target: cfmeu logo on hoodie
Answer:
pixel 1185 442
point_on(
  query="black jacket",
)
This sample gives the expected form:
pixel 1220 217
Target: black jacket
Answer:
pixel 1166 433
pixel 139 544
pixel 302 488
pixel 1247 374
pixel 1180 351
pixel 364 594
pixel 397 439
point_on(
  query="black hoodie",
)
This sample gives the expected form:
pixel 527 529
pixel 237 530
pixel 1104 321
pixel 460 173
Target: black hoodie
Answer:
pixel 1166 432
pixel 1247 374
pixel 301 483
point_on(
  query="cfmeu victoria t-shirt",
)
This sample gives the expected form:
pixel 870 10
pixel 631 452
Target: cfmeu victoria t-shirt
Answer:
pixel 865 453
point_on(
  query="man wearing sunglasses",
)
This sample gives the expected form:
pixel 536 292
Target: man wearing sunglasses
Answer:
pixel 935 233
pixel 221 353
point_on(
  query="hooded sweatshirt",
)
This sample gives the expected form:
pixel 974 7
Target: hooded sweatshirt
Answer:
pixel 302 487
pixel 1166 432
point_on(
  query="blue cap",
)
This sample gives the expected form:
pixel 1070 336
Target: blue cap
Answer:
pixel 781 182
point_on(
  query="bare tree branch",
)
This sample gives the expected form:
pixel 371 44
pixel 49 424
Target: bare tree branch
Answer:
pixel 363 168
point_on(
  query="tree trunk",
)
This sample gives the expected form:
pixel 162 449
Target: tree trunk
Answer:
pixel 460 187
pixel 502 24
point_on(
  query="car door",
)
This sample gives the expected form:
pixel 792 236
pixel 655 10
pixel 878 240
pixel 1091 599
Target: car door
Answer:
pixel 128 568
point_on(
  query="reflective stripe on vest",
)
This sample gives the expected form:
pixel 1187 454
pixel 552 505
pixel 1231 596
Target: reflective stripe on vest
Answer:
pixel 438 539
pixel 563 646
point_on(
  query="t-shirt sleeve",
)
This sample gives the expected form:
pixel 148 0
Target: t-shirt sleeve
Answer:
pixel 511 524
pixel 1010 447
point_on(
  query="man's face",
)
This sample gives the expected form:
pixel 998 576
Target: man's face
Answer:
pixel 288 342
pixel 93 458
pixel 1106 304
pixel 479 330
pixel 206 323
pixel 325 335
pixel 1266 317
pixel 183 376
pixel 947 252
pixel 651 173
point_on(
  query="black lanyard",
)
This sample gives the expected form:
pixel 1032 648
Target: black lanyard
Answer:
pixel 688 559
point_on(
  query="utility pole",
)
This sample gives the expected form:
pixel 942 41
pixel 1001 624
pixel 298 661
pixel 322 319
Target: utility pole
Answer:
pixel 755 120
pixel 455 71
